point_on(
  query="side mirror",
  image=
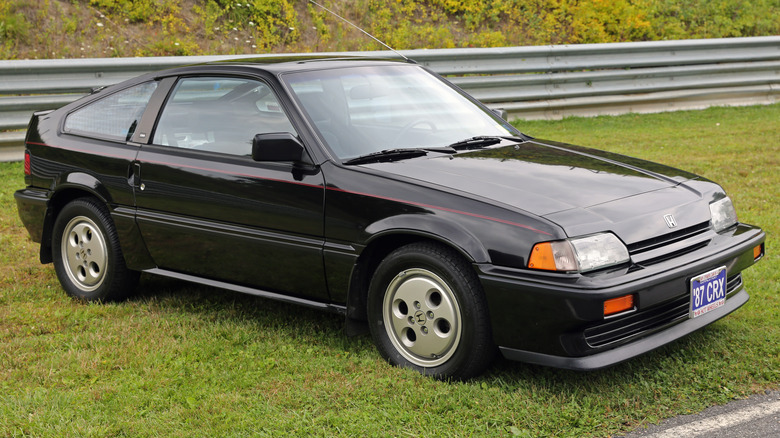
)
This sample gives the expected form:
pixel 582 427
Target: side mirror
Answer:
pixel 500 112
pixel 277 146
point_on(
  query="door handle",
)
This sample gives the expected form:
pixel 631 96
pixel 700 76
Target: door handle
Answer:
pixel 134 175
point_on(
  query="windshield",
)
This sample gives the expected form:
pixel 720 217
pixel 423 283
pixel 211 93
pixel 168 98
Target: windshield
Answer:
pixel 360 110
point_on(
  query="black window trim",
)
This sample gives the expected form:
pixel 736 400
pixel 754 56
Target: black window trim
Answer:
pixel 98 97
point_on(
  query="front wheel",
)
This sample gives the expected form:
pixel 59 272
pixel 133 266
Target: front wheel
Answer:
pixel 86 253
pixel 427 312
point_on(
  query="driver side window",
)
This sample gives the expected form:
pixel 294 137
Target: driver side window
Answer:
pixel 220 115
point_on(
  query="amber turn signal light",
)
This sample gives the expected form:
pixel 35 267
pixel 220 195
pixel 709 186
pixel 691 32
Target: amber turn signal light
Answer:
pixel 542 257
pixel 758 251
pixel 619 304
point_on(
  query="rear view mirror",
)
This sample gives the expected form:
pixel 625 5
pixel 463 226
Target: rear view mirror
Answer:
pixel 277 146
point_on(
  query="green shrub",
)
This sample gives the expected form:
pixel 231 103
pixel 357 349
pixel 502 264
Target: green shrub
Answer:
pixel 13 27
pixel 272 22
pixel 137 11
pixel 676 19
pixel 175 27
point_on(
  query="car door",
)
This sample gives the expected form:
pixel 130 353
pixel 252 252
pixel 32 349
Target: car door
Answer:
pixel 205 208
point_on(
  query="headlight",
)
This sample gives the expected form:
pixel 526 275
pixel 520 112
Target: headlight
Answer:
pixel 579 253
pixel 723 214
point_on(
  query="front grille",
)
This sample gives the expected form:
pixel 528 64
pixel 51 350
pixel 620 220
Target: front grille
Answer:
pixel 667 239
pixel 635 325
pixel 671 245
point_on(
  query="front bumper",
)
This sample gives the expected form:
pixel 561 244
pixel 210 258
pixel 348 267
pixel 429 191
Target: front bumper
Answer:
pixel 630 350
pixel 557 319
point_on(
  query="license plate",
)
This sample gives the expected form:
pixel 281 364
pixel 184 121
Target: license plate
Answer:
pixel 708 292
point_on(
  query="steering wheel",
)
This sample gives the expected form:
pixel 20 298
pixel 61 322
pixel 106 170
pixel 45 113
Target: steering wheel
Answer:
pixel 411 125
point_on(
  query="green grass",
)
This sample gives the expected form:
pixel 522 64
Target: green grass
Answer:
pixel 184 360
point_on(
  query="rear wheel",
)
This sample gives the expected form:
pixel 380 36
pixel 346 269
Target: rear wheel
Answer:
pixel 86 253
pixel 427 312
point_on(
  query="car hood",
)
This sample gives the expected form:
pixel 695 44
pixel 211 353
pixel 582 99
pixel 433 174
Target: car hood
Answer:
pixel 567 184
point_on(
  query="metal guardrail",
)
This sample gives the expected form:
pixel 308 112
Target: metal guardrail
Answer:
pixel 528 82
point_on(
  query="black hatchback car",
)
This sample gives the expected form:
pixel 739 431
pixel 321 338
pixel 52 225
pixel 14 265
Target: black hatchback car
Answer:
pixel 378 190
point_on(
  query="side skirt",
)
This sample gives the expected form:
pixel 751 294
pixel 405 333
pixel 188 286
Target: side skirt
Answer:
pixel 333 308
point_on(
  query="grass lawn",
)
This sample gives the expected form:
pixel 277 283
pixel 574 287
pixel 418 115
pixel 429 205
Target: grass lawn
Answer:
pixel 191 361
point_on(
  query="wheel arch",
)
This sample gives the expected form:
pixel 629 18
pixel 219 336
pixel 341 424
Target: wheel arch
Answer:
pixel 59 199
pixel 393 233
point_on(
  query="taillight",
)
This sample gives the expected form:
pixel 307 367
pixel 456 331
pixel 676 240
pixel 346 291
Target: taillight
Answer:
pixel 27 168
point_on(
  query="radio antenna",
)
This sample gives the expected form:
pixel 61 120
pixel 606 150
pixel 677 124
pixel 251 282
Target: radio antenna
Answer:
pixel 358 28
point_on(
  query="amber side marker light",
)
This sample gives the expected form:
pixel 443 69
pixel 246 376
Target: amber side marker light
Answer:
pixel 619 304
pixel 758 251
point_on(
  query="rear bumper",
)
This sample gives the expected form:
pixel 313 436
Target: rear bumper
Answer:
pixel 558 319
pixel 32 205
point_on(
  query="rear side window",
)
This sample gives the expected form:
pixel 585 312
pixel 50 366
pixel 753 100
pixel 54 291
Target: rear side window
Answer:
pixel 113 117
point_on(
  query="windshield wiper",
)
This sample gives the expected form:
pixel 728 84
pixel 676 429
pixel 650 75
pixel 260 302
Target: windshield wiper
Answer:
pixel 387 155
pixel 476 142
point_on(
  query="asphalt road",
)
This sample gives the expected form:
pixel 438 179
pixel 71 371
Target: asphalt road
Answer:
pixel 755 417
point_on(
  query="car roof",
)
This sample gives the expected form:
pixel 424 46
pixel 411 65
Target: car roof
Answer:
pixel 272 64
pixel 282 64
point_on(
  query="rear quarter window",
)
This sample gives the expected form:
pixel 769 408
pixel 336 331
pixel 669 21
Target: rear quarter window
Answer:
pixel 113 117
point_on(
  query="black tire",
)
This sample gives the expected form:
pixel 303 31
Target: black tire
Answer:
pixel 86 253
pixel 427 312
